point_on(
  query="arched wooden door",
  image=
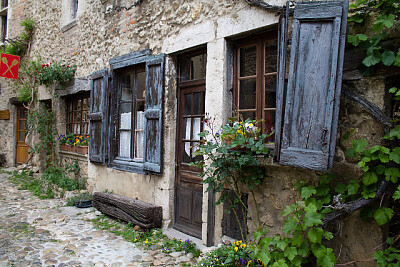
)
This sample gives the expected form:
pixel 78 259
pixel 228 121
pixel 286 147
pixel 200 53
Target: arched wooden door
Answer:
pixel 21 154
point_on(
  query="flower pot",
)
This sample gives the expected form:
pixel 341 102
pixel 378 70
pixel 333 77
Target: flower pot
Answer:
pixel 84 204
pixel 82 150
pixel 65 147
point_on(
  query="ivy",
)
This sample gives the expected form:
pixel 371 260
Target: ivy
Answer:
pixel 382 15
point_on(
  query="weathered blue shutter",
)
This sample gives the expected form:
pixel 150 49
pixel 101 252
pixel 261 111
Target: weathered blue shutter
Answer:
pixel 313 92
pixel 98 116
pixel 155 66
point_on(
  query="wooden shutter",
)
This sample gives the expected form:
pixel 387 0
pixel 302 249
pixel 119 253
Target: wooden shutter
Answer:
pixel 98 116
pixel 313 91
pixel 155 66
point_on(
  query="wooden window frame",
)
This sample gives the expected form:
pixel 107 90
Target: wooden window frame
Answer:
pixel 260 109
pixel 70 114
pixel 153 112
pixel 118 75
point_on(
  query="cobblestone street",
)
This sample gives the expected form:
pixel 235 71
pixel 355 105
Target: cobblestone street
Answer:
pixel 36 232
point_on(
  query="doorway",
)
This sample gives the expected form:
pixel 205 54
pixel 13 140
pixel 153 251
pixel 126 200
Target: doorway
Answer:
pixel 191 113
pixel 21 155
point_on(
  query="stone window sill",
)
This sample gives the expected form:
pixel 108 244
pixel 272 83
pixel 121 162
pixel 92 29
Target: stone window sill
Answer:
pixel 69 25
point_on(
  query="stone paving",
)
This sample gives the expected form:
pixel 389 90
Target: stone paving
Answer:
pixel 36 232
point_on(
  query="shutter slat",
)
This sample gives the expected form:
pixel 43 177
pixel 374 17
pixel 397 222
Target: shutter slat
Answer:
pixel 313 90
pixel 97 116
pixel 153 113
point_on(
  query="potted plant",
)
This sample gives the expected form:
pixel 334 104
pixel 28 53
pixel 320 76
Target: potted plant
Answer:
pixel 73 143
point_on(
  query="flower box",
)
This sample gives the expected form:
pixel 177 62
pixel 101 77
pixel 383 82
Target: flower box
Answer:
pixel 83 150
pixel 65 147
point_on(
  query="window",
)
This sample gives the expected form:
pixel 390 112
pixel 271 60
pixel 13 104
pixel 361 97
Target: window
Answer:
pixel 255 80
pixel 77 114
pixel 131 113
pixel 299 103
pixel 3 17
pixel 132 116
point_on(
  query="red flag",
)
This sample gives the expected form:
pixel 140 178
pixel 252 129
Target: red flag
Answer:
pixel 9 65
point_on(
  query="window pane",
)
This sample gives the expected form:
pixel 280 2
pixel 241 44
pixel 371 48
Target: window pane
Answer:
pixel 195 147
pixel 139 141
pixel 184 65
pixel 139 138
pixel 186 153
pixel 248 115
pixel 271 52
pixel 269 123
pixel 187 128
pixel 188 104
pixel 193 67
pixel 248 61
pixel 22 114
pixel 270 91
pixel 21 125
pixel 21 137
pixel 126 87
pixel 125 144
pixel 125 115
pixel 196 103
pixel 196 128
pixel 247 95
pixel 198 67
pixel 141 85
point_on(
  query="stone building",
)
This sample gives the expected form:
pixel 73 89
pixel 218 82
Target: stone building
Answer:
pixel 149 71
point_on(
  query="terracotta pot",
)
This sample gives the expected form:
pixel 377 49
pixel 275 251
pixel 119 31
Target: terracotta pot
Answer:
pixel 82 150
pixel 65 147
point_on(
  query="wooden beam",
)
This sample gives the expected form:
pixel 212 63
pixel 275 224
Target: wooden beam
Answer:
pixel 131 210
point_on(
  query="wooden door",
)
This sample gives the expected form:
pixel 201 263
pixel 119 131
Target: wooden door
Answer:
pixel 188 187
pixel 21 154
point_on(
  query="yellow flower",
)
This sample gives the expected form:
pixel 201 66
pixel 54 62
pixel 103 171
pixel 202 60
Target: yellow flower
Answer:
pixel 248 263
pixel 147 241
pixel 239 131
pixel 243 246
pixel 236 249
pixel 135 240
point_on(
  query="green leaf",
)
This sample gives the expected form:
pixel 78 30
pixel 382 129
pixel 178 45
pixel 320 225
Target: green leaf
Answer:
pixel 326 257
pixel 280 263
pixel 359 145
pixel 315 235
pixel 290 225
pixel 351 153
pixel 370 178
pixel 383 21
pixel 264 255
pixel 288 209
pixel 311 217
pixel 296 240
pixel 395 132
pixel 392 174
pixel 353 187
pixel 308 191
pixel 290 253
pixel 281 244
pixel 380 169
pixel 371 60
pixel 397 59
pixel 340 188
pixel 388 57
pixel 396 195
pixel 395 155
pixel 328 235
pixel 383 215
pixel 393 90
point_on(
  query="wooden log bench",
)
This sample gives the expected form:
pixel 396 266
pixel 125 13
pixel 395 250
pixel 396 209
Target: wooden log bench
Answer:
pixel 127 209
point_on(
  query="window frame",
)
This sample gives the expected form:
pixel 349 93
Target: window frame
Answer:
pixel 118 77
pixel 153 112
pixel 70 114
pixel 259 40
